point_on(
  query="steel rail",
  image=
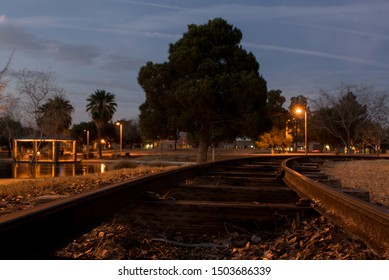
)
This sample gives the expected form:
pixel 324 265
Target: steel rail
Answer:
pixel 366 221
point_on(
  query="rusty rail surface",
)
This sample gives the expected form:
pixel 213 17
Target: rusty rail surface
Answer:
pixel 368 222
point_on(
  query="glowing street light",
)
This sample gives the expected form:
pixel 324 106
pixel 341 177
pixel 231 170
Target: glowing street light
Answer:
pixel 121 135
pixel 299 111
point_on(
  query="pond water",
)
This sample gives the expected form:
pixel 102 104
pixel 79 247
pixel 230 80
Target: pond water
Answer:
pixel 13 170
pixel 25 170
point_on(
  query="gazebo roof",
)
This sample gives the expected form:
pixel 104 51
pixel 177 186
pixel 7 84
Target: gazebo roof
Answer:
pixel 33 139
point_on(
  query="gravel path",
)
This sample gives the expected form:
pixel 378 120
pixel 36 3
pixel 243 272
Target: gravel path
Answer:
pixel 371 176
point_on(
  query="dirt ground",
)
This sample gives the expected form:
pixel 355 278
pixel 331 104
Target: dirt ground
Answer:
pixel 314 239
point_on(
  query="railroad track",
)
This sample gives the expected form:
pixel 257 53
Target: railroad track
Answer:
pixel 239 194
pixel 244 193
pixel 349 209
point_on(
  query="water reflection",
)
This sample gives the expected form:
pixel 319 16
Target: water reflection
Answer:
pixel 47 170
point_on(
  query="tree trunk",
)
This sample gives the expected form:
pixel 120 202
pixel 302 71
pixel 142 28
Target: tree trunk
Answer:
pixel 213 153
pixel 348 144
pixel 203 147
pixel 378 150
pixel 56 152
pixel 99 142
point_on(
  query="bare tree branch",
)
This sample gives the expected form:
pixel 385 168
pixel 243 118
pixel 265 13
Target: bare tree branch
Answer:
pixel 343 114
pixel 6 67
pixel 35 87
pixel 3 83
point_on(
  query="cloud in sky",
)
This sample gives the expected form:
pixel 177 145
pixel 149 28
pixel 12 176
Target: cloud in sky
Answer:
pixel 150 4
pixel 300 47
pixel 120 62
pixel 23 41
pixel 317 54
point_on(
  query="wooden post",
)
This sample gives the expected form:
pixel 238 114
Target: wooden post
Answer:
pixel 75 150
pixel 15 148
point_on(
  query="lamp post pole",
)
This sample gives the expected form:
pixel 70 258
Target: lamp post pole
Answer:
pixel 121 135
pixel 87 143
pixel 306 132
pixel 296 134
pixel 299 111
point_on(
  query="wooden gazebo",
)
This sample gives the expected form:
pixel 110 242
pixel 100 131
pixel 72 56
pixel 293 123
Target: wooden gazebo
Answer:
pixel 44 150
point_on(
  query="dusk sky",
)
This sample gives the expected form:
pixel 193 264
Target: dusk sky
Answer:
pixel 301 46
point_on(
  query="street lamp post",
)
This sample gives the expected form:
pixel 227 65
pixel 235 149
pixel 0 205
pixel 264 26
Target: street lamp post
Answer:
pixel 87 143
pixel 299 111
pixel 121 135
pixel 306 132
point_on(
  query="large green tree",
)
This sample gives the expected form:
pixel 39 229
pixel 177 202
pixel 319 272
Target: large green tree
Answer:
pixel 157 114
pixel 101 107
pixel 210 86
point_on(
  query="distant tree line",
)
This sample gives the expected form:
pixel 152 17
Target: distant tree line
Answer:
pixel 350 117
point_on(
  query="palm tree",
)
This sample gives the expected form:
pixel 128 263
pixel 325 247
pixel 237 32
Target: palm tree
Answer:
pixel 55 115
pixel 101 106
